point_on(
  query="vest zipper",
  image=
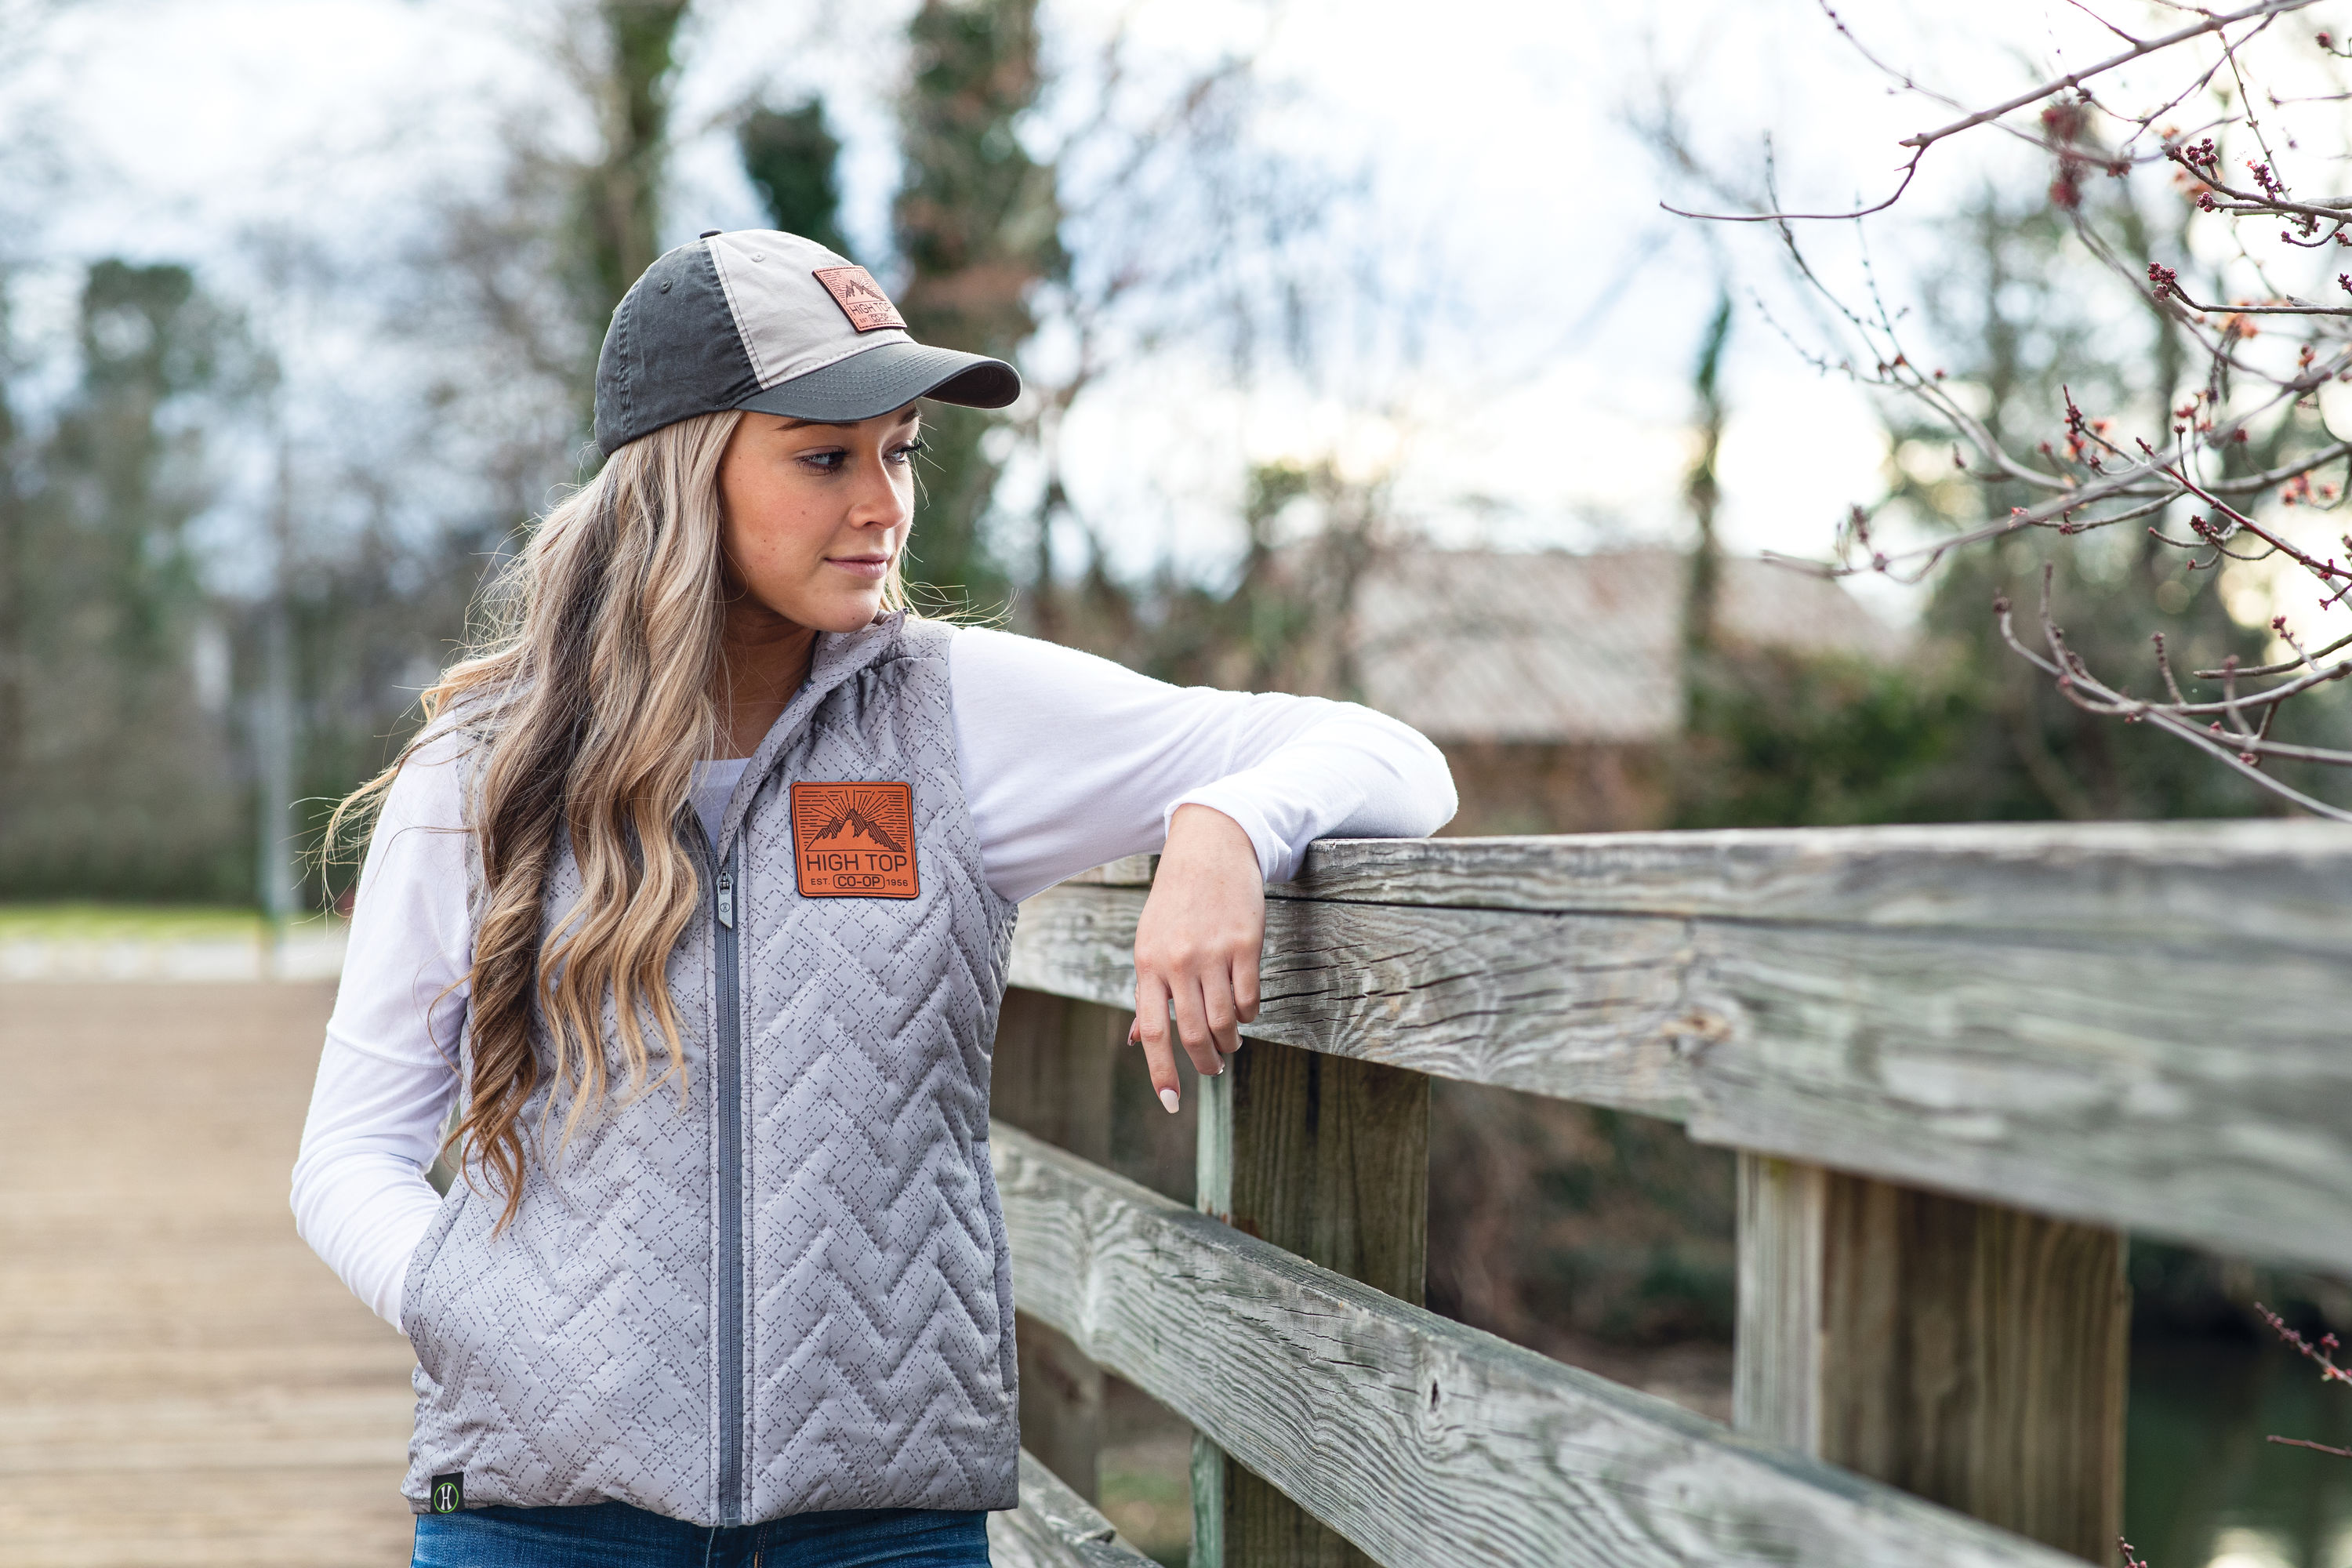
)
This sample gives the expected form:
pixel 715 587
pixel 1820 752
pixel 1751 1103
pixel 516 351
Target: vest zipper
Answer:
pixel 728 1088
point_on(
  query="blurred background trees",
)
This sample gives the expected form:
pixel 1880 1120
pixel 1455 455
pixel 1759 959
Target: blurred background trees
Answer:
pixel 2118 391
pixel 978 228
pixel 1963 730
pixel 794 160
pixel 117 758
pixel 205 548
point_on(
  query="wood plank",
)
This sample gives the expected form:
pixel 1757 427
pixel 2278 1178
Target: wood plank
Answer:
pixel 1324 1157
pixel 1056 1528
pixel 1425 1442
pixel 181 1381
pixel 1964 1351
pixel 2187 1086
pixel 1776 1370
pixel 1061 1404
pixel 1052 1068
pixel 1052 1077
pixel 1328 1158
pixel 1128 871
pixel 2273 882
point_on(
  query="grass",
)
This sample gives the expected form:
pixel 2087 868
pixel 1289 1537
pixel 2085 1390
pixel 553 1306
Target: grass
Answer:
pixel 76 922
pixel 1147 1490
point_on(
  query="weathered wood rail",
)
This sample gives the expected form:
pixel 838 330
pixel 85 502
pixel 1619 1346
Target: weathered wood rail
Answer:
pixel 1957 1063
pixel 1056 1528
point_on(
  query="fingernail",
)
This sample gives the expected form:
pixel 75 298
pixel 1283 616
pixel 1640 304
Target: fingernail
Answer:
pixel 1168 1099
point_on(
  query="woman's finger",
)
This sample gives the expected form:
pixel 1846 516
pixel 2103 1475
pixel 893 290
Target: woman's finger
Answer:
pixel 1218 1006
pixel 1244 982
pixel 1193 1023
pixel 1150 1030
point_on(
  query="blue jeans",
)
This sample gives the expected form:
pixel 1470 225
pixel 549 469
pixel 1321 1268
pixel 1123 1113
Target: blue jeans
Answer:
pixel 616 1535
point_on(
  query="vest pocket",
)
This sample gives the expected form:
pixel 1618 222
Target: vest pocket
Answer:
pixel 418 1301
pixel 1008 1359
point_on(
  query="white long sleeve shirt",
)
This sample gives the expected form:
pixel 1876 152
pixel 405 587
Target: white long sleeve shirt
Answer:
pixel 1068 761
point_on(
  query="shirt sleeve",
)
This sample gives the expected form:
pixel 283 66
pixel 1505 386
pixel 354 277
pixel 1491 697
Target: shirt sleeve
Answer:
pixel 388 1074
pixel 1069 761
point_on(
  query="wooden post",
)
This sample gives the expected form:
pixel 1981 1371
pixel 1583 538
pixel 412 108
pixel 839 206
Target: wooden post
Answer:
pixel 1326 1157
pixel 1971 1354
pixel 1052 1077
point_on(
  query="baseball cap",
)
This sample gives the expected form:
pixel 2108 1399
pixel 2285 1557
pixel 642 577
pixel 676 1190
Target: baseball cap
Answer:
pixel 760 319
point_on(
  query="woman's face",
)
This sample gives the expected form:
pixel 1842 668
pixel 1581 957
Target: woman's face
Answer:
pixel 812 515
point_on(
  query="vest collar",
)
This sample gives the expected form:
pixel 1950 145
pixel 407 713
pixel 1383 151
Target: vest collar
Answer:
pixel 837 657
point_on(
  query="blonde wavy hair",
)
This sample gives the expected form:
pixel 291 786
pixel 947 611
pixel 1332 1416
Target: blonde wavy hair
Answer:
pixel 591 690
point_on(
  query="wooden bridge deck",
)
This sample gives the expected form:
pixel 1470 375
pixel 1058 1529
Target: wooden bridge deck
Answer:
pixel 181 1381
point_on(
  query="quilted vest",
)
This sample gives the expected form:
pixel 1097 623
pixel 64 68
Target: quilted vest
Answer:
pixel 792 1293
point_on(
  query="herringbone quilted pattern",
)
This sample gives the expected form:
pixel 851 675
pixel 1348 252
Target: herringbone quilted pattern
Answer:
pixel 574 1357
pixel 570 1360
pixel 881 1363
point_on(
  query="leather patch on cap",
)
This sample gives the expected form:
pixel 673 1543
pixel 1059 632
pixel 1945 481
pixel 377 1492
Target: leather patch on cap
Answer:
pixel 860 297
pixel 855 840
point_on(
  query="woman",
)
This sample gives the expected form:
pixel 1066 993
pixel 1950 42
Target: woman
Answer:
pixel 694 897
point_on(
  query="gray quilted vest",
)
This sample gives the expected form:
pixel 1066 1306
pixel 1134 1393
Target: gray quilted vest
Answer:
pixel 793 1294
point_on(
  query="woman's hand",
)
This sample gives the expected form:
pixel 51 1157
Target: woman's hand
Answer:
pixel 1197 946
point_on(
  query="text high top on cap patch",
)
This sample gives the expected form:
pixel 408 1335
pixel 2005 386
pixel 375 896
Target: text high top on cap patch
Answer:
pixel 860 297
pixel 855 840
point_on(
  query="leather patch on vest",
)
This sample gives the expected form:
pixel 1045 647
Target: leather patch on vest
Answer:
pixel 855 840
pixel 860 297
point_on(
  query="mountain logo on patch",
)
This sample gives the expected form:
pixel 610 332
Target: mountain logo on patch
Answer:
pixel 855 840
pixel 860 297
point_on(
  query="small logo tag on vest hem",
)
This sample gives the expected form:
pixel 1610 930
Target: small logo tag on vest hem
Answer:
pixel 449 1493
pixel 860 297
pixel 855 840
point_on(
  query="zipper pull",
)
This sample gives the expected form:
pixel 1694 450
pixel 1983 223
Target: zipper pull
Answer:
pixel 727 897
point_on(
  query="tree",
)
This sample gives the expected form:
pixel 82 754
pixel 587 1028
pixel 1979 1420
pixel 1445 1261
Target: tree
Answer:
pixel 2012 306
pixel 978 227
pixel 16 530
pixel 22 22
pixel 2218 414
pixel 122 776
pixel 1702 492
pixel 793 161
pixel 377 586
pixel 587 219
pixel 627 83
pixel 1962 730
pixel 1773 737
pixel 156 709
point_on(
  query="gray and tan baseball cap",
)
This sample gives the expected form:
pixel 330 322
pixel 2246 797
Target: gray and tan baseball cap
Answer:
pixel 761 320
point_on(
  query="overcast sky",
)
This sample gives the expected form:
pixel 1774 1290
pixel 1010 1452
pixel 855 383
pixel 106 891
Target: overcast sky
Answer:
pixel 1552 404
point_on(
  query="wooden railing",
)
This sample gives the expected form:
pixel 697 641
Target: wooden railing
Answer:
pixel 1958 1062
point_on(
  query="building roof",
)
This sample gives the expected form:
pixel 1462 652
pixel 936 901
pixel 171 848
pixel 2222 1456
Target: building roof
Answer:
pixel 1548 646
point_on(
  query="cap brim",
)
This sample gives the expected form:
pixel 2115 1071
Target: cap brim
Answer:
pixel 886 377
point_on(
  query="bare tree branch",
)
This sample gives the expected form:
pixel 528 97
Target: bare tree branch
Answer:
pixel 2266 330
